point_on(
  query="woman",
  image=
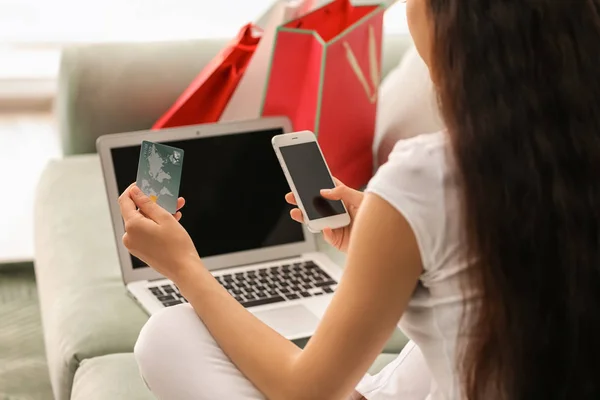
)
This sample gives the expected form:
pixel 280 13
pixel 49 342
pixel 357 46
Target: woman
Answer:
pixel 483 241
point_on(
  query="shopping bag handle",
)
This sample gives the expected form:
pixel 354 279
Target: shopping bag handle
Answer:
pixel 327 11
pixel 246 39
pixel 374 72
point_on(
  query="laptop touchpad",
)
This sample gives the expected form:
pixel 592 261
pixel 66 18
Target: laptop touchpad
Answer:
pixel 290 320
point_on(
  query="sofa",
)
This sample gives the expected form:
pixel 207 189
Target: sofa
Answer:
pixel 90 323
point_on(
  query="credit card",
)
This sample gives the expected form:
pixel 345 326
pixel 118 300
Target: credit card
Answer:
pixel 159 173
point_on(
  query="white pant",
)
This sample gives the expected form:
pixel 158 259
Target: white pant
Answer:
pixel 180 360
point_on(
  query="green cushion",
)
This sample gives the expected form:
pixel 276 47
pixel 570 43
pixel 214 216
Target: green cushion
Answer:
pixel 396 343
pixel 113 377
pixel 116 377
pixel 380 362
pixel 86 312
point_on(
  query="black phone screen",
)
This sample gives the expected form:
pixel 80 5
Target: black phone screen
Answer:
pixel 309 173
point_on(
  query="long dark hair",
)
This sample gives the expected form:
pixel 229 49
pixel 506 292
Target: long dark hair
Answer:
pixel 519 88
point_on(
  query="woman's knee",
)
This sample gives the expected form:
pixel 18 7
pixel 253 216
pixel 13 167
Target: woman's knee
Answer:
pixel 179 359
pixel 163 348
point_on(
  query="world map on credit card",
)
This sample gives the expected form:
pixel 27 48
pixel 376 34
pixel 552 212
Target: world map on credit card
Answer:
pixel 159 173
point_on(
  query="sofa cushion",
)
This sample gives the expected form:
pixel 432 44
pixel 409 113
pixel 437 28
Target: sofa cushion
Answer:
pixel 407 106
pixel 86 312
pixel 380 362
pixel 117 377
pixel 112 377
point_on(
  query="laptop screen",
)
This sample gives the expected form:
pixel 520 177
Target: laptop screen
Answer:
pixel 234 190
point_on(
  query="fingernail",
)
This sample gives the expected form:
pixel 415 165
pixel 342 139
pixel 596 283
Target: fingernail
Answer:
pixel 325 191
pixel 135 191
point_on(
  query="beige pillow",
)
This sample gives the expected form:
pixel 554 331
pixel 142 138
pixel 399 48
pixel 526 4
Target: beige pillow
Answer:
pixel 407 106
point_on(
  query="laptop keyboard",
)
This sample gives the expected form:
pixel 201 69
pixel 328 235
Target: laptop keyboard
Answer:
pixel 262 286
pixel 168 294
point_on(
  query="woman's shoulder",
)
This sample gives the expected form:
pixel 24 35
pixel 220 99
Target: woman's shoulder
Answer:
pixel 418 165
pixel 420 148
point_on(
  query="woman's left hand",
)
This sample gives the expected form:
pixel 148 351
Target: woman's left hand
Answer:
pixel 155 236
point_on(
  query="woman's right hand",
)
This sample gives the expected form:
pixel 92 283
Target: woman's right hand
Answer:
pixel 338 238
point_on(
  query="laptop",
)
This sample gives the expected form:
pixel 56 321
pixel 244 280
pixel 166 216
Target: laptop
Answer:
pixel 239 221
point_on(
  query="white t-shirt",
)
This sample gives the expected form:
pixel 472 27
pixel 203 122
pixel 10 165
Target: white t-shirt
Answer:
pixel 419 180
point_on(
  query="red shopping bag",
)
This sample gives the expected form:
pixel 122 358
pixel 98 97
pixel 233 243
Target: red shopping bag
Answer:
pixel 207 96
pixel 325 75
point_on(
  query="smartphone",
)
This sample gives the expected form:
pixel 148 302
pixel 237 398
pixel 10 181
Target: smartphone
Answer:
pixel 307 173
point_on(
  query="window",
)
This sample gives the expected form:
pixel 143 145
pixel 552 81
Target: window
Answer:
pixel 68 21
pixel 33 31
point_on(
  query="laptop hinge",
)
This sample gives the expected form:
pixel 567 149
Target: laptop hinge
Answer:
pixel 274 260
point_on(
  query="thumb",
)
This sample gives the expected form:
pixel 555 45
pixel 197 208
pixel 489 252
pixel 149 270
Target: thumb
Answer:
pixel 148 207
pixel 344 193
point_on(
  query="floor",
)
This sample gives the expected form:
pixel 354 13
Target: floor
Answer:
pixel 23 368
pixel 27 141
